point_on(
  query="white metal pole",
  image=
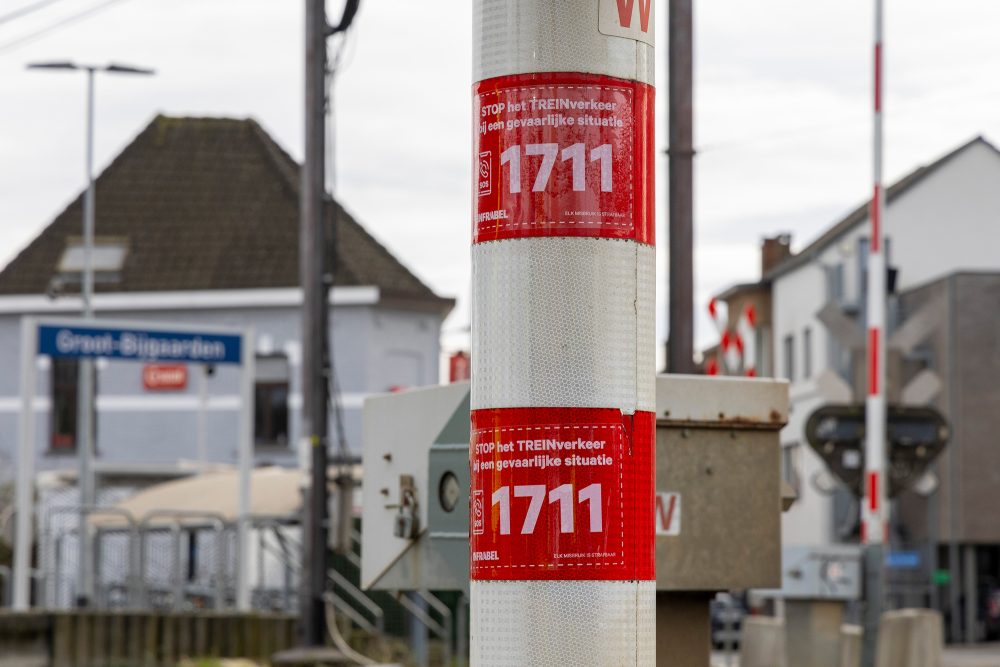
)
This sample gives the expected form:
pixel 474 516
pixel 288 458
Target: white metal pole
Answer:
pixel 85 400
pixel 87 289
pixel 563 351
pixel 25 468
pixel 203 416
pixel 875 509
pixel 245 467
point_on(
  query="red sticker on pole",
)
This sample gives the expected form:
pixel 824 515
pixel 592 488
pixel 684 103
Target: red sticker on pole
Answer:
pixel 561 493
pixel 563 155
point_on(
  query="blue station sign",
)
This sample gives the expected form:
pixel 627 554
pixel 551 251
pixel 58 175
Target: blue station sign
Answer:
pixel 903 560
pixel 138 344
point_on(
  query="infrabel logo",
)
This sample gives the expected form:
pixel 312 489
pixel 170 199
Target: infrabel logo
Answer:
pixel 485 174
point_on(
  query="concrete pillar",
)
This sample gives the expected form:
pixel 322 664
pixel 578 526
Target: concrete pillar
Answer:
pixel 910 638
pixel 812 632
pixel 763 642
pixel 850 645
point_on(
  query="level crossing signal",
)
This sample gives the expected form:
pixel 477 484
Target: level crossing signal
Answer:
pixel 916 436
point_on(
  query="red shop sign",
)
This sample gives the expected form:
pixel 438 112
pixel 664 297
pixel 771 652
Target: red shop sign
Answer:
pixel 164 377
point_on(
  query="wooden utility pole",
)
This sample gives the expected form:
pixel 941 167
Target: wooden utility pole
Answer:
pixel 680 345
pixel 682 618
pixel 314 275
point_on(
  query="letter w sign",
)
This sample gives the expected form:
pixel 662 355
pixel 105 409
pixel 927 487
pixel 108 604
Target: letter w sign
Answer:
pixel 668 513
pixel 632 19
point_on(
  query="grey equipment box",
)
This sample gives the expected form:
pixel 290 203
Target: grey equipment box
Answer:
pixel 828 572
pixel 717 452
pixel 717 480
pixel 416 463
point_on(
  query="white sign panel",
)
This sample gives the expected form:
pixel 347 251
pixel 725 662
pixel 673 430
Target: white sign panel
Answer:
pixel 668 513
pixel 632 19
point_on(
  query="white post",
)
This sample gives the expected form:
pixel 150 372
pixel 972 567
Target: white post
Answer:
pixel 85 401
pixel 25 468
pixel 203 416
pixel 248 351
pixel 563 352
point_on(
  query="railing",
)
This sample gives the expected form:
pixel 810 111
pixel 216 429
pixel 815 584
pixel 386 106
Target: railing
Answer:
pixel 174 519
pixel 50 563
pixel 377 625
pixel 442 630
pixel 7 582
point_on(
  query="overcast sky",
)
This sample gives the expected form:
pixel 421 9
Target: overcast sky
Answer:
pixel 783 92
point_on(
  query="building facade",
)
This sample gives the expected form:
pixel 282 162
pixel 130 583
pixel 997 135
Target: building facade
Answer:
pixel 197 223
pixel 941 234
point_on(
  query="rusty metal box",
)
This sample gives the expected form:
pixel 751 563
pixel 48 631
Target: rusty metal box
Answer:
pixel 718 482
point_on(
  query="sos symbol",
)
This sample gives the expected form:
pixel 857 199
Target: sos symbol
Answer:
pixel 485 173
pixel 478 525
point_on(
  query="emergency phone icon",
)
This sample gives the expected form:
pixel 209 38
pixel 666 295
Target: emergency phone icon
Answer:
pixel 485 174
pixel 478 525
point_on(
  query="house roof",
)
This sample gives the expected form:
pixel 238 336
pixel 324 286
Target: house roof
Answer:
pixel 207 203
pixel 740 288
pixel 860 214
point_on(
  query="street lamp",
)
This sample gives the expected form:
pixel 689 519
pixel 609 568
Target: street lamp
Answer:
pixel 85 399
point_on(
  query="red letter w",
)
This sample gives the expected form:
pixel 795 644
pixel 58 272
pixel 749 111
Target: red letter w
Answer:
pixel 625 13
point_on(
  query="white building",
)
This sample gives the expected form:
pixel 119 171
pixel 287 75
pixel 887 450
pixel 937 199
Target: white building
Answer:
pixel 197 224
pixel 943 248
pixel 940 220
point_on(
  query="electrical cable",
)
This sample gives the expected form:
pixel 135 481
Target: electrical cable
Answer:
pixel 25 10
pixel 338 639
pixel 333 68
pixel 63 23
pixel 350 11
pixel 345 468
pixel 334 384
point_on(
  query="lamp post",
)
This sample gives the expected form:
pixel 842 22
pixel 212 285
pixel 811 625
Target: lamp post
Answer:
pixel 85 398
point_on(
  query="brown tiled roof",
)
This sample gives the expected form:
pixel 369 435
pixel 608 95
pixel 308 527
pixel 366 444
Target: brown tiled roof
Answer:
pixel 207 203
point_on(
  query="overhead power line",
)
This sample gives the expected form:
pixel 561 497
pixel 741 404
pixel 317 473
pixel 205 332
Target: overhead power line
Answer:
pixel 350 10
pixel 62 23
pixel 25 10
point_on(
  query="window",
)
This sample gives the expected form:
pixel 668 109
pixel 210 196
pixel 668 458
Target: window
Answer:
pixel 270 413
pixel 789 349
pixel 765 361
pixel 107 256
pixel 836 287
pixel 790 455
pixel 807 352
pixel 862 279
pixel 65 385
pixel 758 352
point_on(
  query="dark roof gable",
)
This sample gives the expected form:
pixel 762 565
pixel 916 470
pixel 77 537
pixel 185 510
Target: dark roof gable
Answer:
pixel 206 203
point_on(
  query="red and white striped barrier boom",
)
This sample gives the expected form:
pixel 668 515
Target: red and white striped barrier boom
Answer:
pixel 563 397
pixel 875 514
pixel 875 509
